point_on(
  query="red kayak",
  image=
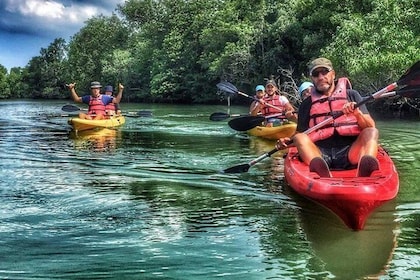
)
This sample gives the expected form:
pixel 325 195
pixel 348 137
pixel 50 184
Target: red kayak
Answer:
pixel 349 197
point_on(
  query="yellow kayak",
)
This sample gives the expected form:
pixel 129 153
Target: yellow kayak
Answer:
pixel 274 132
pixel 79 124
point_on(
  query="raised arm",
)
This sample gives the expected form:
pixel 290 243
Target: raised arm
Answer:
pixel 117 98
pixel 73 93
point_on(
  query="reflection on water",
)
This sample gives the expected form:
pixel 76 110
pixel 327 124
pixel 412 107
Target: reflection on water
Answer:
pixel 350 254
pixel 101 140
pixel 147 201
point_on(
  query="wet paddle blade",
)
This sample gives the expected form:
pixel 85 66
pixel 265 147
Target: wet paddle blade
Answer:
pixel 219 116
pixel 238 168
pixel 411 77
pixel 246 122
pixel 410 92
pixel 144 113
pixel 70 108
pixel 228 88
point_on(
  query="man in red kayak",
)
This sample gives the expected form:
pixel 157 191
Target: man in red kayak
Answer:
pixel 348 141
pixel 95 100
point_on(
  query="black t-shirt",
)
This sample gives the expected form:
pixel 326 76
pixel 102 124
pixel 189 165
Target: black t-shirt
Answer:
pixel 336 140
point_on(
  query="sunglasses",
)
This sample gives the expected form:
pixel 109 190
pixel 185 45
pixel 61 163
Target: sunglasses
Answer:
pixel 323 71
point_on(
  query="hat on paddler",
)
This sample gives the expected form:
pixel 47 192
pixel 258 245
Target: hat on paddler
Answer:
pixel 95 85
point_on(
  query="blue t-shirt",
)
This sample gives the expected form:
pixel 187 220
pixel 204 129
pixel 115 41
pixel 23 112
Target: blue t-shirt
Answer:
pixel 106 99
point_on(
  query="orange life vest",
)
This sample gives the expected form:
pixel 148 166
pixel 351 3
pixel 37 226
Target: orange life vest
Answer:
pixel 96 106
pixel 325 107
pixel 275 101
pixel 111 107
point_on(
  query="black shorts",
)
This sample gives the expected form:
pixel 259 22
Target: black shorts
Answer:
pixel 337 157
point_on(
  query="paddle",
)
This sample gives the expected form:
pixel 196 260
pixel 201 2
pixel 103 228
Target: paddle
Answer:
pixel 220 116
pixel 73 108
pixel 245 123
pixel 410 80
pixel 139 114
pixel 232 90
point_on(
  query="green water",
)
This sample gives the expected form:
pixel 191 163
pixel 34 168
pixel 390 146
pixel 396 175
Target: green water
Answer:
pixel 147 201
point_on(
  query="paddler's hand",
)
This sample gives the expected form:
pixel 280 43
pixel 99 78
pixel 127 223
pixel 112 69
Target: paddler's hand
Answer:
pixel 71 86
pixel 348 108
pixel 282 143
pixel 291 114
pixel 120 86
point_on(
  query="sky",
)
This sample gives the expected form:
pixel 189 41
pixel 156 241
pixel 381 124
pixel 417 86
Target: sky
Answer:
pixel 26 26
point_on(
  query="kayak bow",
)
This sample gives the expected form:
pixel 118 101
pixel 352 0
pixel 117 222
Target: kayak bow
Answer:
pixel 349 197
pixel 274 132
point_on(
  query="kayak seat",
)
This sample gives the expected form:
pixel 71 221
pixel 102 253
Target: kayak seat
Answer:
pixel 367 165
pixel 320 166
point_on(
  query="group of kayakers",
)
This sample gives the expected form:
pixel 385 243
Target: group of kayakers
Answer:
pixel 101 106
pixel 349 140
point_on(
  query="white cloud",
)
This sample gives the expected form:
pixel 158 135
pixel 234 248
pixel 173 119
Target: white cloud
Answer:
pixel 49 9
pixel 29 25
pixel 52 10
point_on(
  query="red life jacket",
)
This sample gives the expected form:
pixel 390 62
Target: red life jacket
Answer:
pixel 275 101
pixel 325 107
pixel 96 106
pixel 111 107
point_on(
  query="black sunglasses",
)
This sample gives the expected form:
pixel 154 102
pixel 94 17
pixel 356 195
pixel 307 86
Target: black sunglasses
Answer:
pixel 323 71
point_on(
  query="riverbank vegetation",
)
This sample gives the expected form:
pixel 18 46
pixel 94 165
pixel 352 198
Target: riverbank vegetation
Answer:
pixel 175 51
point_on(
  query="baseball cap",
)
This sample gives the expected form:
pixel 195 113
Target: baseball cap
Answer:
pixel 320 62
pixel 259 87
pixel 304 86
pixel 271 82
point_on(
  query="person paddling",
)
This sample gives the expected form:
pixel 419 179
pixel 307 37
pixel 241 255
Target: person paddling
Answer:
pixel 349 141
pixel 254 108
pixel 279 105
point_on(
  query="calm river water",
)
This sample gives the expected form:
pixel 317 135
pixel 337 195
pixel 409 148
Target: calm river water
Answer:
pixel 147 201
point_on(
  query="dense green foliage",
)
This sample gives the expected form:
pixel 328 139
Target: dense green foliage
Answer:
pixel 177 50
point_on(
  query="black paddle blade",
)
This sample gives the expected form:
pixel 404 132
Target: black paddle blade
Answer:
pixel 227 88
pixel 70 108
pixel 238 168
pixel 219 116
pixel 409 92
pixel 144 113
pixel 411 77
pixel 246 122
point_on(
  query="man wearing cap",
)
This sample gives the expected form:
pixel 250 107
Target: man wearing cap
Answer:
pixel 259 94
pixel 348 141
pixel 112 108
pixel 274 104
pixel 95 100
